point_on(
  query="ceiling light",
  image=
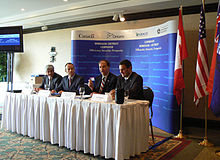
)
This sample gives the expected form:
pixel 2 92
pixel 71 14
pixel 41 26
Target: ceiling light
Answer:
pixel 121 17
pixel 115 17
pixel 22 9
pixel 65 0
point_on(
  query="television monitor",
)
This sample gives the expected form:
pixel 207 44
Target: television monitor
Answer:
pixel 11 39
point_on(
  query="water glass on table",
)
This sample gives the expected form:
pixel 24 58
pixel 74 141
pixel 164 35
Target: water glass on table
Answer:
pixel 81 91
pixel 46 87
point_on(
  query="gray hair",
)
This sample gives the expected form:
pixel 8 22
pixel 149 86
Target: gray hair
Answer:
pixel 49 67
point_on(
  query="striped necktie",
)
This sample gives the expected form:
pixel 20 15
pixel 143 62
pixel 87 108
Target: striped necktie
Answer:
pixel 102 85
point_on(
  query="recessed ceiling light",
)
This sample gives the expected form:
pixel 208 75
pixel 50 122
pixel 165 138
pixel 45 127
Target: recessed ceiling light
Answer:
pixel 22 9
pixel 65 0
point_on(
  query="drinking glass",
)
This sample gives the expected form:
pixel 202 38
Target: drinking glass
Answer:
pixel 81 91
pixel 46 87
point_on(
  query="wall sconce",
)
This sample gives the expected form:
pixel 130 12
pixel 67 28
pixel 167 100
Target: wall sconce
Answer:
pixel 115 17
pixel 118 15
pixel 121 17
pixel 44 28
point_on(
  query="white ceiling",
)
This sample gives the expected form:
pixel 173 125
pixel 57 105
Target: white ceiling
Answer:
pixel 46 12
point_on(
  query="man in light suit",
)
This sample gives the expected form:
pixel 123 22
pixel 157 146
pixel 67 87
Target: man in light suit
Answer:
pixel 70 83
pixel 129 81
pixel 51 80
pixel 106 76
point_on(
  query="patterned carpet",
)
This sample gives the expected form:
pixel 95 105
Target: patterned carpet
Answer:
pixel 15 146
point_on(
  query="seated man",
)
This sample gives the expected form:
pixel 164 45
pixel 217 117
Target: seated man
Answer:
pixel 129 81
pixel 51 80
pixel 106 81
pixel 70 83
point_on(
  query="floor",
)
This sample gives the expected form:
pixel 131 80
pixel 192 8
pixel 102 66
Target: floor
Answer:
pixel 194 151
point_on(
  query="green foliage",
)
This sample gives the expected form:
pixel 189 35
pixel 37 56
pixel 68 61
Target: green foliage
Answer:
pixel 3 66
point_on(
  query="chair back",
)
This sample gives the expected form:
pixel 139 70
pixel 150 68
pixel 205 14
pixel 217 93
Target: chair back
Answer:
pixel 148 94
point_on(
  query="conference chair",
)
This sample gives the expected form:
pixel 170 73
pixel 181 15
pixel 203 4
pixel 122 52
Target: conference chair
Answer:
pixel 148 94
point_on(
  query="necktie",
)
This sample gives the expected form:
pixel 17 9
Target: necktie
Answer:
pixel 69 82
pixel 102 85
pixel 49 82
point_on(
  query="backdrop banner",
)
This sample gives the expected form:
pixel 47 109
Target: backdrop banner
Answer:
pixel 152 53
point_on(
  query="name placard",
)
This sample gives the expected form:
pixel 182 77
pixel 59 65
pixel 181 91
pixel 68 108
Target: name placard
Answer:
pixel 68 95
pixel 45 93
pixel 27 91
pixel 102 97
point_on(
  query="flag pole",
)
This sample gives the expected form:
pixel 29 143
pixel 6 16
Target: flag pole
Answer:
pixel 205 142
pixel 180 134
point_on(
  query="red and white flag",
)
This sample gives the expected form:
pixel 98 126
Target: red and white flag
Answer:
pixel 202 68
pixel 181 54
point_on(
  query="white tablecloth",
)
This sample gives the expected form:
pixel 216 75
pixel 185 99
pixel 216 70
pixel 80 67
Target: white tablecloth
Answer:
pixel 107 129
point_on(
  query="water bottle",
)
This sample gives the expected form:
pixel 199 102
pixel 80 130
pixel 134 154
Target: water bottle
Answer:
pixel 119 96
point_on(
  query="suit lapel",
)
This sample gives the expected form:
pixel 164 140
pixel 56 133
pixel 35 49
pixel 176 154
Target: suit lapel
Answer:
pixel 99 81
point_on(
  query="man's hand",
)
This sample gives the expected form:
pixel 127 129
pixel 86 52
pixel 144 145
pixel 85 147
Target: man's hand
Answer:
pixel 90 84
pixel 112 93
pixel 60 92
pixel 53 91
pixel 37 89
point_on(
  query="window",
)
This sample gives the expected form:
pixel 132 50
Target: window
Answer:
pixel 3 66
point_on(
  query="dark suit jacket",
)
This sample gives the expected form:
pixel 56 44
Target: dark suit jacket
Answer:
pixel 76 83
pixel 134 84
pixel 110 83
pixel 56 80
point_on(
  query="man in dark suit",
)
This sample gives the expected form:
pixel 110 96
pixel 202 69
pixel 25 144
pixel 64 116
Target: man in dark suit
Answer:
pixel 129 81
pixel 51 80
pixel 70 83
pixel 106 81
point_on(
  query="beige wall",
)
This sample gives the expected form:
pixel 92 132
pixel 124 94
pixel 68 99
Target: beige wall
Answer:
pixel 37 47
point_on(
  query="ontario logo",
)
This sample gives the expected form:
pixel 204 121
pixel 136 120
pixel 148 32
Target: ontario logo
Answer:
pixel 111 35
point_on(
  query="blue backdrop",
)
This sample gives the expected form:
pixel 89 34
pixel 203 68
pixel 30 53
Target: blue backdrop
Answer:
pixel 152 53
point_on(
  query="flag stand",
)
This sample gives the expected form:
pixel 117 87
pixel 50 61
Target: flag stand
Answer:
pixel 205 142
pixel 217 152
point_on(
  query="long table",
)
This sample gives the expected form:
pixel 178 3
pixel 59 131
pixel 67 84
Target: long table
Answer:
pixel 107 129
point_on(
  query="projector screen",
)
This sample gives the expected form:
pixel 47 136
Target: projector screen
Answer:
pixel 11 39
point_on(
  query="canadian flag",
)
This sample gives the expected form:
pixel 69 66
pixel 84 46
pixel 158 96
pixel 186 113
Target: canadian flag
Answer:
pixel 181 54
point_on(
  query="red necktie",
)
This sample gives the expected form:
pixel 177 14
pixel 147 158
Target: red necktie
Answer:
pixel 102 85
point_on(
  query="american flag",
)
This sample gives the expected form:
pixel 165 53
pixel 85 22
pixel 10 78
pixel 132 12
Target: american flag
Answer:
pixel 202 68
